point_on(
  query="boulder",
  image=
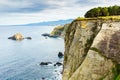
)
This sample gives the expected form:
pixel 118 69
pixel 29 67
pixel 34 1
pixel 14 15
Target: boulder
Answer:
pixel 16 36
pixel 60 55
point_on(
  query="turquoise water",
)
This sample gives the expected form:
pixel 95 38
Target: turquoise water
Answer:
pixel 19 60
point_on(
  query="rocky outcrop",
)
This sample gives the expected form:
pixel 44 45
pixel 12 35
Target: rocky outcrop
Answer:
pixel 92 50
pixel 17 36
pixel 59 31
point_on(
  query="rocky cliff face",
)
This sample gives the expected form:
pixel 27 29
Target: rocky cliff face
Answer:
pixel 92 50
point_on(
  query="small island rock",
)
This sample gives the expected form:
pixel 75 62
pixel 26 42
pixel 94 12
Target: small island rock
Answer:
pixel 17 36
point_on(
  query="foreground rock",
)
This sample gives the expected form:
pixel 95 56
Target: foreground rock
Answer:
pixel 17 36
pixel 92 50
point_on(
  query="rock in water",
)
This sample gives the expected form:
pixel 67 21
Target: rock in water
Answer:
pixel 60 55
pixel 45 35
pixel 58 64
pixel 45 63
pixel 17 36
pixel 28 38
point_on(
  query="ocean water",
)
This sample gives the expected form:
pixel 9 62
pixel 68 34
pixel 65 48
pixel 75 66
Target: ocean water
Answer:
pixel 19 60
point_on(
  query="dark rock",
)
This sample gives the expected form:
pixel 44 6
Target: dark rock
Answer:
pixel 53 36
pixel 10 37
pixel 43 78
pixel 58 64
pixel 45 63
pixel 28 38
pixel 46 35
pixel 50 36
pixel 60 55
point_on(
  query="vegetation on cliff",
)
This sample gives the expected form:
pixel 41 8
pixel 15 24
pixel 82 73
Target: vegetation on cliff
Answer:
pixel 103 11
pixel 103 18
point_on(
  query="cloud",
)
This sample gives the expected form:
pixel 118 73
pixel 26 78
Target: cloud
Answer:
pixel 19 6
pixel 30 11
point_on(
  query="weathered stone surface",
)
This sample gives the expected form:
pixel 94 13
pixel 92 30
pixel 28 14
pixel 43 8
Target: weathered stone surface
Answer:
pixel 77 42
pixel 92 49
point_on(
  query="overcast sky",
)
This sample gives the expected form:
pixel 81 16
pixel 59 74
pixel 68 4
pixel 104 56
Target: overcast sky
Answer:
pixel 14 12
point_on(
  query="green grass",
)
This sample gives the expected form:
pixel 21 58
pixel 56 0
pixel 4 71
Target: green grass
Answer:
pixel 99 18
pixel 116 72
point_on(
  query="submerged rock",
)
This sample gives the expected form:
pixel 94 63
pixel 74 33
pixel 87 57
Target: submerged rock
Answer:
pixel 50 36
pixel 17 36
pixel 45 63
pixel 43 78
pixel 28 38
pixel 46 35
pixel 58 64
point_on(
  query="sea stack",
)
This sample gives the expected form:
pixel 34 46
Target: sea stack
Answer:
pixel 17 36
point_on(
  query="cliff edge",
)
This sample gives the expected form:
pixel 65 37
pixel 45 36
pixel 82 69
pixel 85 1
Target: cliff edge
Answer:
pixel 92 49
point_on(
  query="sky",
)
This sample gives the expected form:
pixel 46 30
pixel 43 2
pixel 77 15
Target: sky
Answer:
pixel 15 12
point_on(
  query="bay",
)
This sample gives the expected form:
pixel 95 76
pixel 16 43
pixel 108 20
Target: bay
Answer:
pixel 19 60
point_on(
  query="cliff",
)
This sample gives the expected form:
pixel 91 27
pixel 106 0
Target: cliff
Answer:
pixel 92 49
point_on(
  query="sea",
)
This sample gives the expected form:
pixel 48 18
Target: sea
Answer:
pixel 20 60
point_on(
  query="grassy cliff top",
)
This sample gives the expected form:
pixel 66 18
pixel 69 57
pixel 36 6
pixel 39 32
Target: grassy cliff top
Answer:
pixel 99 18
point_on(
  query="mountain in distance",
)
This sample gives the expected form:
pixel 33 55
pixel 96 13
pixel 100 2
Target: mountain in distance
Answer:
pixel 49 23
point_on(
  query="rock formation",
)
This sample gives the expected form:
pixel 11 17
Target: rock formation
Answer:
pixel 92 50
pixel 60 55
pixel 17 36
pixel 59 31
